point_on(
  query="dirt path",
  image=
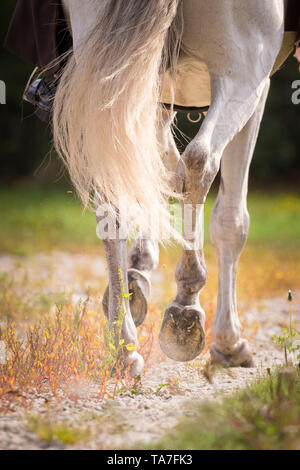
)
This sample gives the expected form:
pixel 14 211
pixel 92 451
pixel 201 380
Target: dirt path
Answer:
pixel 167 393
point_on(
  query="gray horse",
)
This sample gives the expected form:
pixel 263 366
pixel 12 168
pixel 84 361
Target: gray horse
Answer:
pixel 117 143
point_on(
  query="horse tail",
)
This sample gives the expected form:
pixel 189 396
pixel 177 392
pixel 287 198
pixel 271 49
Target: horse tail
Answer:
pixel 107 113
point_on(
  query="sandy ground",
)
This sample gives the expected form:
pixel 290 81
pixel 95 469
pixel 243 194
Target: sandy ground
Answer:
pixel 168 392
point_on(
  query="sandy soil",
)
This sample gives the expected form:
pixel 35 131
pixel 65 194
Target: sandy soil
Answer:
pixel 168 392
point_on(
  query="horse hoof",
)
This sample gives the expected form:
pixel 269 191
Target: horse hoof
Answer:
pixel 240 357
pixel 135 362
pixel 139 288
pixel 182 336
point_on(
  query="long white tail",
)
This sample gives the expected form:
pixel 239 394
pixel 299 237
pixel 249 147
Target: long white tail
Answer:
pixel 106 110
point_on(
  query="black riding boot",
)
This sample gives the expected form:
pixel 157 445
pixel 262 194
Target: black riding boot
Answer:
pixel 40 93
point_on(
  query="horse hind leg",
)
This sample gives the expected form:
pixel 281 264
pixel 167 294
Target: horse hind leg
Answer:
pixel 229 228
pixel 182 333
pixel 143 256
pixel 117 306
pixel 182 336
pixel 235 96
pixel 239 47
pixel 234 100
pixel 142 259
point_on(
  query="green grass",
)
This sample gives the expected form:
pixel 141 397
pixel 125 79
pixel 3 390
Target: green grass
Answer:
pixel 275 218
pixel 264 416
pixel 41 220
pixel 50 432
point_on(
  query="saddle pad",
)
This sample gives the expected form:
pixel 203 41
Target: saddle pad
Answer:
pixel 192 84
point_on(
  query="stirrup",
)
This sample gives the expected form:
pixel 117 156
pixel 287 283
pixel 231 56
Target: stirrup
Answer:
pixel 40 93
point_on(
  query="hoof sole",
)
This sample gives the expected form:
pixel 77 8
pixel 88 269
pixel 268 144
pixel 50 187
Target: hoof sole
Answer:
pixel 139 288
pixel 182 336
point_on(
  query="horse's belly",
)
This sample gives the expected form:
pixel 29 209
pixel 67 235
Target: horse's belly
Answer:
pixel 192 86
